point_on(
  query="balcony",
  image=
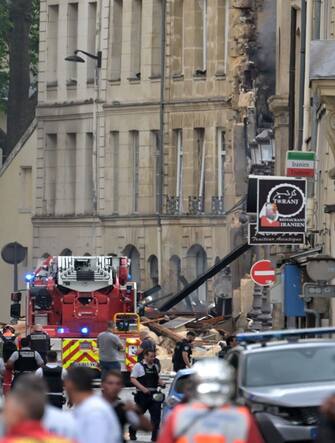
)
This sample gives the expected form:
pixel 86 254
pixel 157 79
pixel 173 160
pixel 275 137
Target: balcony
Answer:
pixel 195 205
pixel 172 205
pixel 217 205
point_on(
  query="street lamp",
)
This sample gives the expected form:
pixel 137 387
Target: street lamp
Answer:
pixel 77 59
pixel 263 153
pixel 321 268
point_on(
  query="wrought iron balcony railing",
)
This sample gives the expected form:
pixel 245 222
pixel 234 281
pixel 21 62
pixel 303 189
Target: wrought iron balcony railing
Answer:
pixel 217 205
pixel 195 205
pixel 172 205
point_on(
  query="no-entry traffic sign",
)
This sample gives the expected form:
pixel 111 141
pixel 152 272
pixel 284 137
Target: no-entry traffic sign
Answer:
pixel 263 273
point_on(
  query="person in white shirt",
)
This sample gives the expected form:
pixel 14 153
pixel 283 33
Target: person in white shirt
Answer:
pixel 61 423
pixel 54 375
pixel 95 419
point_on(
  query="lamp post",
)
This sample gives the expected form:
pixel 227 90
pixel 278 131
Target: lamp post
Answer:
pixel 78 59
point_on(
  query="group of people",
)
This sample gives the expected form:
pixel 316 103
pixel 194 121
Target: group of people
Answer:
pixel 36 371
pixel 33 407
pixel 32 411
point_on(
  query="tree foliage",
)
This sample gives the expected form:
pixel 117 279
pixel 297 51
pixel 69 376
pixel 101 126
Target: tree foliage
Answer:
pixel 5 28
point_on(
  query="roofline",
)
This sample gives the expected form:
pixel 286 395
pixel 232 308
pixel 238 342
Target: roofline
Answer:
pixel 19 145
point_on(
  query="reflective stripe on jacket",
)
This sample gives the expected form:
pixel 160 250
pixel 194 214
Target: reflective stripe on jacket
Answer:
pixel 194 423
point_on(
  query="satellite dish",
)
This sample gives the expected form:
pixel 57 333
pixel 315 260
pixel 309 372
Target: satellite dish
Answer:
pixel 13 253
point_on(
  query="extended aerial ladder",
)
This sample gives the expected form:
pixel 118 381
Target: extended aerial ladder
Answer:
pixel 172 300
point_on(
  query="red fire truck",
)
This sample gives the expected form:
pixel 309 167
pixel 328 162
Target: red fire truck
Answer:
pixel 73 298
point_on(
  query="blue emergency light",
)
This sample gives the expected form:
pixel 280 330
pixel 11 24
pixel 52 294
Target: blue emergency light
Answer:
pixel 29 277
pixel 84 330
pixel 282 334
pixel 60 330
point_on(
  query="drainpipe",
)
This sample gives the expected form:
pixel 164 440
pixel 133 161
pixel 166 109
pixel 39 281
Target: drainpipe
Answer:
pixel 315 105
pixel 307 98
pixel 292 69
pixel 316 315
pixel 161 109
pixel 161 143
pixel 302 72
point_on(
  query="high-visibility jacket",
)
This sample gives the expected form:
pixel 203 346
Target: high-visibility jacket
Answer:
pixel 196 423
pixel 32 432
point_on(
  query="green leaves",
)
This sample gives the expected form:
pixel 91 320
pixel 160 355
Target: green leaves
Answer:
pixel 5 27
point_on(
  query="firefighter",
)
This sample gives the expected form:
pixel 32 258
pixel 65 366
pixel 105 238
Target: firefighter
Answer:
pixel 183 352
pixel 53 374
pixel 24 361
pixel 39 341
pixel 145 378
pixel 8 338
pixel 209 417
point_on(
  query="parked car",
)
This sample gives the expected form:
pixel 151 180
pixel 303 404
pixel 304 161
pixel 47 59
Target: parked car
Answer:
pixel 177 391
pixel 285 381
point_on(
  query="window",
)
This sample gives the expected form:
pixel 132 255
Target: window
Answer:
pixel 174 283
pixel 222 36
pixel 221 150
pixel 199 161
pixel 136 39
pixel 115 140
pixel 26 188
pixel 153 270
pixel 178 37
pixel 117 40
pixel 135 169
pixel 156 155
pixel 200 37
pixel 68 187
pixel 178 135
pixel 156 39
pixel 87 185
pixel 52 47
pixel 91 41
pixel 50 173
pixel 72 43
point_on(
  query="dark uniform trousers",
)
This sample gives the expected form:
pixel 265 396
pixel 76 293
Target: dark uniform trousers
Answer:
pixel 145 402
pixel 53 378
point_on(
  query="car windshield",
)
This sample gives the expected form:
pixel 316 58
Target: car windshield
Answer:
pixel 290 366
pixel 182 384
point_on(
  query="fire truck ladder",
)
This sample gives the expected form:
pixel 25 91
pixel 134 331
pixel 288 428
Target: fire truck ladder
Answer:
pixel 195 284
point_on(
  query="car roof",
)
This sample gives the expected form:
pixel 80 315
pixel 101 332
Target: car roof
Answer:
pixel 283 344
pixel 183 372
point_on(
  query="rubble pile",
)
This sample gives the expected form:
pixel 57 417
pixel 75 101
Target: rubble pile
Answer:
pixel 168 330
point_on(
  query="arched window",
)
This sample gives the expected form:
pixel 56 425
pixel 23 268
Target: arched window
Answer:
pixel 197 265
pixel 174 274
pixel 66 252
pixel 153 270
pixel 132 253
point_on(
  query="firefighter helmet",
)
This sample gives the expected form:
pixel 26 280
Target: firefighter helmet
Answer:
pixel 213 382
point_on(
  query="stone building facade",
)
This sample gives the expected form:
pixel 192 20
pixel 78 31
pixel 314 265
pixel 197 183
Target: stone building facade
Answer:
pixel 304 109
pixel 132 161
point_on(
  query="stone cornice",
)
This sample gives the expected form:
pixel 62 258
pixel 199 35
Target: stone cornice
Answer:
pixel 278 104
pixel 130 221
pixel 325 89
